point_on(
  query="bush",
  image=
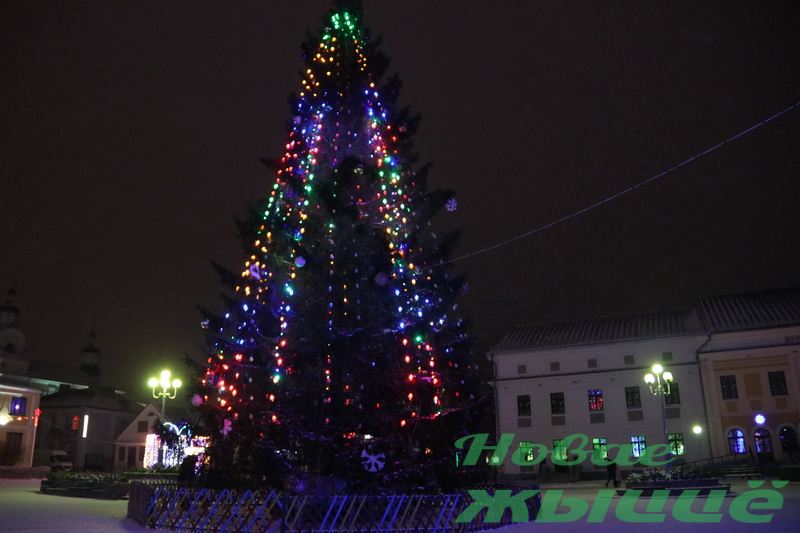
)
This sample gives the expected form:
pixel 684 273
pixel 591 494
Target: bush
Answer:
pixel 96 477
pixel 659 474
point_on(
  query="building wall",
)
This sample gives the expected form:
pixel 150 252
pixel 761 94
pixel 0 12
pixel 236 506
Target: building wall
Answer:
pixel 95 450
pixel 612 373
pixel 750 357
pixel 130 444
pixel 21 427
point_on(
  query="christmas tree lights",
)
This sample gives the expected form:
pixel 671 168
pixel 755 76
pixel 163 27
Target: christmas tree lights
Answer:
pixel 333 331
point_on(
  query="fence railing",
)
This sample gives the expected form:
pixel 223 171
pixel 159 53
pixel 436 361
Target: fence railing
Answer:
pixel 173 507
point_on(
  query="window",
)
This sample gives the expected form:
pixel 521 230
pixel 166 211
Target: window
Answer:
pixel 526 450
pixel 777 383
pixel 763 441
pixel 121 454
pixel 559 451
pixel 633 399
pixel 728 386
pixel 676 443
pixel 600 447
pixel 76 423
pixel 142 426
pixel 522 369
pixel 18 406
pixel 666 357
pixel 788 438
pixel 141 453
pixel 736 441
pixel 557 403
pixel 628 359
pixel 13 442
pixel 555 366
pixel 595 400
pixel 591 363
pixel 674 396
pixel 524 405
pixel 638 445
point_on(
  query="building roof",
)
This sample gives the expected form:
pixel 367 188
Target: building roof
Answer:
pixel 716 314
pixel 97 398
pixel 597 330
pixel 756 310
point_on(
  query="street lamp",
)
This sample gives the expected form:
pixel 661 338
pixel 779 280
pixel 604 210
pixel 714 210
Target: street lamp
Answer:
pixel 164 387
pixel 659 381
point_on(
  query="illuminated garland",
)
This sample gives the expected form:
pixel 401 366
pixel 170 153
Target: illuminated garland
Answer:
pixel 317 143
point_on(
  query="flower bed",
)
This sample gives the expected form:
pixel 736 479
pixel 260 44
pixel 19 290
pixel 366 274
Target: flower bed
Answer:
pixel 674 481
pixel 86 485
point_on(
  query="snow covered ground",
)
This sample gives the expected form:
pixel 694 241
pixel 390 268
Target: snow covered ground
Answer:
pixel 23 509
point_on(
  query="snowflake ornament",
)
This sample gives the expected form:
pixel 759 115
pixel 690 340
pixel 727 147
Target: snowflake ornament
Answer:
pixel 372 462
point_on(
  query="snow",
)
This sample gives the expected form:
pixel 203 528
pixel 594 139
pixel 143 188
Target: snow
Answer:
pixel 23 509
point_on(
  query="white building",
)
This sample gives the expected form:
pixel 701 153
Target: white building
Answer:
pixel 19 402
pixel 130 444
pixel 587 377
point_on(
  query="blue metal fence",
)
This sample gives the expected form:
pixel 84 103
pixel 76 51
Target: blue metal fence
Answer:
pixel 169 506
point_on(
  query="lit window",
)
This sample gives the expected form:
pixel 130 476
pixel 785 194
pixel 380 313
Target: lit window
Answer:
pixel 18 406
pixel 526 450
pixel 595 400
pixel 559 451
pixel 600 447
pixel 638 445
pixel 76 423
pixel 736 441
pixel 763 441
pixel 676 443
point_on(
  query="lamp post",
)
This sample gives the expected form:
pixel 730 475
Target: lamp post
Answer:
pixel 659 381
pixel 164 387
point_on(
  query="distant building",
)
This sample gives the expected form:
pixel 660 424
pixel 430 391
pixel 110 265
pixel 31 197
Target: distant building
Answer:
pixel 74 412
pixel 130 443
pixel 735 365
pixel 19 402
pixel 85 423
pixel 586 377
pixel 751 372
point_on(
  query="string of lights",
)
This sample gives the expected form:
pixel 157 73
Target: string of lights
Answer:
pixel 623 192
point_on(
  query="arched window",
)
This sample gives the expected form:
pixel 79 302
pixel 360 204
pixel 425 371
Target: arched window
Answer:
pixel 736 441
pixel 762 440
pixel 788 438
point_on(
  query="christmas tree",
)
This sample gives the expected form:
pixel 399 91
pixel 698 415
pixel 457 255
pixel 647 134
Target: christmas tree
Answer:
pixel 341 351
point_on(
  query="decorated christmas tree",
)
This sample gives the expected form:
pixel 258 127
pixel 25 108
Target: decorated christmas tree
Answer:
pixel 341 351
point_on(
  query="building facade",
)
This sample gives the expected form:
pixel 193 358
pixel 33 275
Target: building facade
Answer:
pixel 19 401
pixel 131 442
pixel 734 361
pixel 587 377
pixel 751 374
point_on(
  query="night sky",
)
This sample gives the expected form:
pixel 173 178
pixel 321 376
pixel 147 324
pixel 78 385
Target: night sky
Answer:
pixel 131 132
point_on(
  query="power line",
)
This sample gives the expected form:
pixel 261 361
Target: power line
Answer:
pixel 623 192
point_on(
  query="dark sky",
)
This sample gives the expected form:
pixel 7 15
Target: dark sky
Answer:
pixel 130 134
